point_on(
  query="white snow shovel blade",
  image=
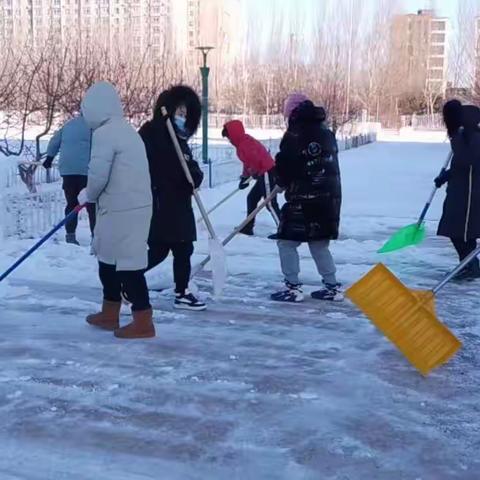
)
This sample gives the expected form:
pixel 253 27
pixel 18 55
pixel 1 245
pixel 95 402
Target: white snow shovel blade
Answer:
pixel 219 266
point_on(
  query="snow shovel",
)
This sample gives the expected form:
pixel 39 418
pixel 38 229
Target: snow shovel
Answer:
pixel 217 253
pixel 407 317
pixel 413 234
pixel 235 232
pixel 50 234
pixel 221 202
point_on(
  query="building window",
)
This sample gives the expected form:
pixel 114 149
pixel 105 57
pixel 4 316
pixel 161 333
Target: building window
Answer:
pixel 442 26
pixel 437 50
pixel 438 37
pixel 436 62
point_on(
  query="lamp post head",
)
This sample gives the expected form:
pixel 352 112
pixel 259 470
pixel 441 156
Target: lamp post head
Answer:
pixel 205 51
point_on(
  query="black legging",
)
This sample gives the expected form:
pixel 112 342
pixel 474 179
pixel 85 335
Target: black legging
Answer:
pixel 72 186
pixel 133 282
pixel 182 251
pixel 463 248
pixel 258 192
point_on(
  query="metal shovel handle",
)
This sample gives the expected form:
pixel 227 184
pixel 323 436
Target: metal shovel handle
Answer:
pixel 433 193
pixel 457 270
pixel 235 232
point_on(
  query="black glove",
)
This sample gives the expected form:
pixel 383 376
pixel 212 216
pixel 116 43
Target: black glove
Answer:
pixel 48 163
pixel 244 182
pixel 443 178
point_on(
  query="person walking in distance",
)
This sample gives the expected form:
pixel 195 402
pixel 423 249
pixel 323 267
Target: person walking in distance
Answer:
pixel 119 183
pixel 257 163
pixel 308 170
pixel 72 141
pixel 173 227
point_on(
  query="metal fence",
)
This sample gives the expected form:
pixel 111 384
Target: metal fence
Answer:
pixel 30 215
pixel 39 175
pixel 423 122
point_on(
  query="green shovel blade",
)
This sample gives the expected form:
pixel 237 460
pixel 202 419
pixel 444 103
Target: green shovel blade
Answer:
pixel 405 237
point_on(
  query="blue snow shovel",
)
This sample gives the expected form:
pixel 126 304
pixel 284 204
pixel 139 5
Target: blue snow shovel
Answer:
pixel 52 232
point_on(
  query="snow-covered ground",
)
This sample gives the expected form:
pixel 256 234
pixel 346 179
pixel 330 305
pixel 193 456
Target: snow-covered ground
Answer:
pixel 248 390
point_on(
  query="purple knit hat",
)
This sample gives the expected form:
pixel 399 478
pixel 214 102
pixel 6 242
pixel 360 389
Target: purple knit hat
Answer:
pixel 292 102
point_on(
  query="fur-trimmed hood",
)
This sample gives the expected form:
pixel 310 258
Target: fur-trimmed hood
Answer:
pixel 178 95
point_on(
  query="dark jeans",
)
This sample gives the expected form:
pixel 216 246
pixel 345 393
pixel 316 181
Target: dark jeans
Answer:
pixel 182 251
pixel 256 194
pixel 72 186
pixel 464 248
pixel 133 283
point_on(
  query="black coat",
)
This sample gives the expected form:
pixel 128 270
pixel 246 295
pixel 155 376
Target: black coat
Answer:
pixel 307 166
pixel 173 219
pixel 461 210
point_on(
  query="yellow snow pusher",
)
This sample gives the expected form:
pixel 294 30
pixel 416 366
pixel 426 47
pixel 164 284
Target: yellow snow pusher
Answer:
pixel 407 317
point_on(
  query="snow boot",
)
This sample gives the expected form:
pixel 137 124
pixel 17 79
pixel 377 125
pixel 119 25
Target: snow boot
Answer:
pixel 141 327
pixel 292 294
pixel 71 238
pixel 108 318
pixel 188 301
pixel 331 293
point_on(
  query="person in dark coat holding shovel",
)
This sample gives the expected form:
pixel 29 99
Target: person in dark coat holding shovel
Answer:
pixel 173 223
pixel 308 169
pixel 461 211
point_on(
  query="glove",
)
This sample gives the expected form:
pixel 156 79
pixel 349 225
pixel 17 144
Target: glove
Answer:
pixel 244 182
pixel 48 163
pixel 442 178
pixel 83 197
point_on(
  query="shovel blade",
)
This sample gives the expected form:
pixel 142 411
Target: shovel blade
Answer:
pixel 405 237
pixel 406 317
pixel 219 265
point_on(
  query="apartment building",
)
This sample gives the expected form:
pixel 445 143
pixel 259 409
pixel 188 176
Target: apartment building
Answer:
pixel 135 24
pixel 420 50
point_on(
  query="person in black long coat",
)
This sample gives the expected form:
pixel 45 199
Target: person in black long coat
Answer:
pixel 308 169
pixel 173 223
pixel 461 211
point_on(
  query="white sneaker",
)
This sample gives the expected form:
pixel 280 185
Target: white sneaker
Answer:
pixel 188 301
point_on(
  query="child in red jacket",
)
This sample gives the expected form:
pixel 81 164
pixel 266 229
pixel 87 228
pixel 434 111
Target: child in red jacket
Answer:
pixel 257 163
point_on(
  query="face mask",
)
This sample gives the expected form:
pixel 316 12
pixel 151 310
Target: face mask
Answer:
pixel 180 123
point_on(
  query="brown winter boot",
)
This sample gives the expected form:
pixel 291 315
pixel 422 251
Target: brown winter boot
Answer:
pixel 141 327
pixel 108 318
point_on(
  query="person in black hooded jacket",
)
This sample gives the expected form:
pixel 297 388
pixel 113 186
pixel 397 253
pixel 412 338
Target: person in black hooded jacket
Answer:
pixel 461 211
pixel 308 170
pixel 173 223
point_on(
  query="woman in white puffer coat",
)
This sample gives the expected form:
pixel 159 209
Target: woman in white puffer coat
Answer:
pixel 119 183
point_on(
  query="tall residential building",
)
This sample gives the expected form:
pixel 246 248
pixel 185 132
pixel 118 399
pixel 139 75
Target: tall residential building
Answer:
pixel 420 50
pixel 215 23
pixel 135 24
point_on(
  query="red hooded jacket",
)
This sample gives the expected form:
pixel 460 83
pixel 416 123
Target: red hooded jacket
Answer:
pixel 254 156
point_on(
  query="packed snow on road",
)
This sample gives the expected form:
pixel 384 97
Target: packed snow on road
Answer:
pixel 248 389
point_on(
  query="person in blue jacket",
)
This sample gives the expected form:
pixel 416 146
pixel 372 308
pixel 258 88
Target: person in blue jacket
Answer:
pixel 72 142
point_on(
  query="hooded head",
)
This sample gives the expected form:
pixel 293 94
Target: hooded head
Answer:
pixel 292 102
pixel 176 97
pixel 306 113
pixel 100 104
pixel 452 116
pixel 235 131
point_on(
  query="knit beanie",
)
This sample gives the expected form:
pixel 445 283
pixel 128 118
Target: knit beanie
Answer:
pixel 292 102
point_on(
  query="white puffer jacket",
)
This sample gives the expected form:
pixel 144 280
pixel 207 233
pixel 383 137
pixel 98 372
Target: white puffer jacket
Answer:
pixel 118 181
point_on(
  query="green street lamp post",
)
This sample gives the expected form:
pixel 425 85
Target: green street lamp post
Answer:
pixel 204 70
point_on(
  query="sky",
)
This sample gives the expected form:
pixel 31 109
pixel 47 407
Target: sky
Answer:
pixel 297 14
